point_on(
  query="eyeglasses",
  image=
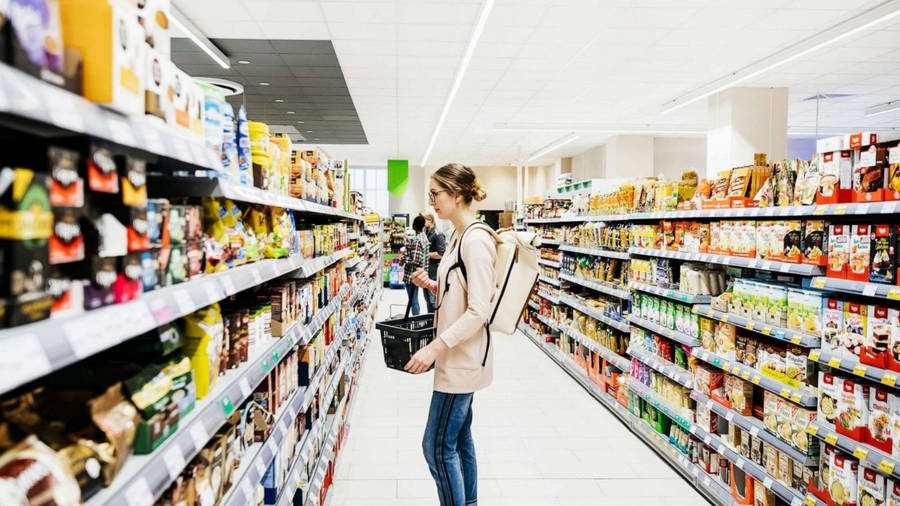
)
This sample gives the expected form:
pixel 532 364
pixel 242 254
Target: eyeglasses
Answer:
pixel 432 194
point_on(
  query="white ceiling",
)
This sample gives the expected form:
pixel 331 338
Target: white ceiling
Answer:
pixel 563 61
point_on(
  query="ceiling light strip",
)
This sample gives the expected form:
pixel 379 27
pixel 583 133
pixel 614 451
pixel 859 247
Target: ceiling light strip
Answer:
pixel 847 28
pixel 460 73
pixel 875 110
pixel 624 129
pixel 553 146
pixel 190 29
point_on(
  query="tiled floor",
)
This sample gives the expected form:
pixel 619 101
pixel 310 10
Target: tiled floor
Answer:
pixel 540 439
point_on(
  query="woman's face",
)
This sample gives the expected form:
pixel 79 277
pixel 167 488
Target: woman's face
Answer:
pixel 444 203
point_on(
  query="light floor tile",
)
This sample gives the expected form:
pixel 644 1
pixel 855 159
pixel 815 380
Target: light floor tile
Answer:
pixel 541 440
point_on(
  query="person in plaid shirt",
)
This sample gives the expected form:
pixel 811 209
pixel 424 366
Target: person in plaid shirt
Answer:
pixel 415 257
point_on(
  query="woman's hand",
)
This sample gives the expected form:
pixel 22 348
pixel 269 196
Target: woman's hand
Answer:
pixel 422 360
pixel 420 278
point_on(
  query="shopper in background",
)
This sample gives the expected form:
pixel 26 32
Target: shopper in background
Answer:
pixel 461 352
pixel 415 256
pixel 436 246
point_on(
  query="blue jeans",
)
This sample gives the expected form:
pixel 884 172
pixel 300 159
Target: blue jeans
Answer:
pixel 429 300
pixel 413 292
pixel 450 450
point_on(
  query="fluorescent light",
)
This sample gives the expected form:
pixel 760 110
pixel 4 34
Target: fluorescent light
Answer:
pixel 279 101
pixel 623 129
pixel 553 146
pixel 460 73
pixel 875 110
pixel 185 25
pixel 868 19
pixel 263 83
pixel 244 62
pixel 291 112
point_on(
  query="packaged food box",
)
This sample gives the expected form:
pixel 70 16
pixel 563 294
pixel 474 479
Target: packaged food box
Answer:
pixel 725 340
pixel 880 430
pixel 770 459
pixel 872 487
pixel 855 327
pixel 777 305
pixel 772 360
pixel 830 388
pixel 878 336
pixel 893 492
pixel 785 468
pixel 786 243
pixel 842 483
pixel 853 410
pixel 762 496
pixel 111 42
pixel 860 252
pixel 798 368
pixel 826 459
pixel 838 251
pixel 805 311
pixel 708 380
pixel 833 326
pixel 882 266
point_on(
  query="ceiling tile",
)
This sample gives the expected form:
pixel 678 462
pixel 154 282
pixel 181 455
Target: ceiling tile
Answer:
pixel 267 11
pixel 295 30
pixel 359 12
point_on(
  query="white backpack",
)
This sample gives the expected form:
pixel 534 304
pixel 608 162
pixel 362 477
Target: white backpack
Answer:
pixel 517 271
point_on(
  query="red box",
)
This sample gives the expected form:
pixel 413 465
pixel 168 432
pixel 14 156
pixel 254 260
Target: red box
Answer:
pixel 840 196
pixel 742 202
pixel 838 251
pixel 741 485
pixel 875 349
pixel 875 196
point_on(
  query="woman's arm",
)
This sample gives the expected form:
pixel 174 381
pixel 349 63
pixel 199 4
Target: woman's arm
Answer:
pixel 479 253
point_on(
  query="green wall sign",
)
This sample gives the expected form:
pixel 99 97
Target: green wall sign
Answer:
pixel 398 176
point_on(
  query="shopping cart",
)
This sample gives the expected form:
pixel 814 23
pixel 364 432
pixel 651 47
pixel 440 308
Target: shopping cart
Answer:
pixel 402 337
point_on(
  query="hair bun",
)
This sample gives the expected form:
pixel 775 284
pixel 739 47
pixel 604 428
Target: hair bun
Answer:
pixel 477 192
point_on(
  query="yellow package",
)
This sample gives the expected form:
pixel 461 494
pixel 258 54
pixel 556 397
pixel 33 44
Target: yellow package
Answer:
pixel 204 334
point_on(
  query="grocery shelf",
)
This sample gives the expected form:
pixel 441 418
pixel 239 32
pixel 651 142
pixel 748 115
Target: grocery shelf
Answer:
pixel 548 322
pixel 670 333
pixel 596 285
pixel 253 466
pixel 755 427
pixel 595 314
pixel 548 296
pixel 286 494
pixel 351 262
pixel 611 356
pixel 682 416
pixel 758 473
pixel 325 456
pixel 664 367
pixel 749 263
pixel 848 209
pixel 353 236
pixel 545 279
pixel 58 342
pixel 25 97
pixel 854 366
pixel 597 252
pixel 548 263
pixel 148 476
pixel 714 492
pixel 188 186
pixel 673 294
pixel 549 242
pixel 872 458
pixel 876 290
pixel 796 395
pixel 789 335
pixel 533 305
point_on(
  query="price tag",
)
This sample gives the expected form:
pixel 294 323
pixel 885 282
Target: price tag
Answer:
pixel 696 471
pixel 831 438
pixel 785 393
pixel 812 429
pixel 212 293
pixel 767 482
pixel 120 130
pixel 90 333
pixel 767 265
pixel 160 309
pixel 860 453
pixel 893 293
pixel 63 110
pixel 889 379
pixel 840 210
pixel 862 209
pixel 724 318
pixel 753 263
pixel 275 357
pixel 809 500
pixel 889 208
pixel 785 267
pixel 819 211
pixel 726 367
pixel 814 355
pixel 245 388
pixel 266 366
pixel 818 283
pixel 729 416
pixel 796 501
pixel 795 397
pixel 138 493
pixel 740 463
pixel 174 460
pixel 750 325
pixel 834 362
pixel 887 466
pixel 185 304
pixel 707 440
pixel 754 431
pixel 17 370
pixel 767 330
pixel 227 407
pixel 745 375
pixel 257 277
pixel 869 290
pixel 721 449
pixel 199 435
pixel 860 369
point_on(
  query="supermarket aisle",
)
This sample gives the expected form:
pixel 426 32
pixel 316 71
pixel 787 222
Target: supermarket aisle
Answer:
pixel 541 439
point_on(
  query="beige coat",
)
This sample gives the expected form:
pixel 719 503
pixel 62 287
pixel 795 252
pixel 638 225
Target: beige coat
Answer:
pixel 467 365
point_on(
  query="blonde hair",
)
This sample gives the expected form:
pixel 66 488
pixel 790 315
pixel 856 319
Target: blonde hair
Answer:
pixel 428 216
pixel 460 180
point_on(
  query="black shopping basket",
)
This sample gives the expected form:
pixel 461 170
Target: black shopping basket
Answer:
pixel 401 338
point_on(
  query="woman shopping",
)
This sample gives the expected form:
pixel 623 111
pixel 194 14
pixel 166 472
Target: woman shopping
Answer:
pixel 461 351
